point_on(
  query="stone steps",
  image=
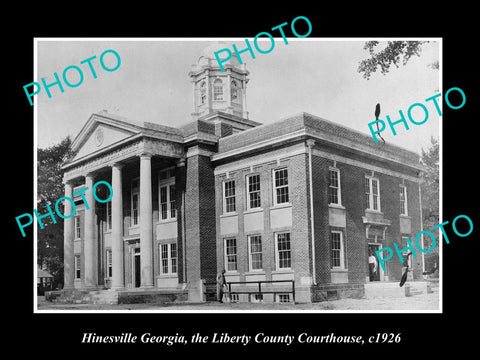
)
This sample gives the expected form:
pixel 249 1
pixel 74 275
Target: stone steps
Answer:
pixel 102 297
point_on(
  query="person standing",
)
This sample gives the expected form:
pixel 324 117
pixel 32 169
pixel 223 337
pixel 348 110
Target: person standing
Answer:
pixel 221 282
pixel 405 270
pixel 372 265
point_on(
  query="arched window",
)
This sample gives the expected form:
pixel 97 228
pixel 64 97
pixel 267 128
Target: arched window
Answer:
pixel 234 91
pixel 217 90
pixel 203 93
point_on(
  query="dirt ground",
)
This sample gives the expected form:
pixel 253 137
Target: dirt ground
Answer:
pixel 420 302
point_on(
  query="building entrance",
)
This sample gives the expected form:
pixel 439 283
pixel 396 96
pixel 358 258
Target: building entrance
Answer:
pixel 373 265
pixel 136 268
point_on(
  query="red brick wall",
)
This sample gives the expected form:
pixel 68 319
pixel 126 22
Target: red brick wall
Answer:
pixel 200 219
pixel 352 193
pixel 299 231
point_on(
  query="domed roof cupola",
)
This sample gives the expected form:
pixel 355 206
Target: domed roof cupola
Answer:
pixel 216 90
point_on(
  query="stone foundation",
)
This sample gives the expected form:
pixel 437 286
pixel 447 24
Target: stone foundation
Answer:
pixel 327 292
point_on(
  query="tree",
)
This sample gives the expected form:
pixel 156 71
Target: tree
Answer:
pixel 394 53
pixel 430 188
pixel 49 189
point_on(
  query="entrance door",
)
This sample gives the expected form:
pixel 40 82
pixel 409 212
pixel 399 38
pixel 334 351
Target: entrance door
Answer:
pixel 136 267
pixel 374 269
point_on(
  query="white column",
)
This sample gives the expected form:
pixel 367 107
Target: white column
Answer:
pixel 209 94
pixel 195 111
pixel 244 99
pixel 89 247
pixel 117 228
pixel 229 89
pixel 146 223
pixel 68 234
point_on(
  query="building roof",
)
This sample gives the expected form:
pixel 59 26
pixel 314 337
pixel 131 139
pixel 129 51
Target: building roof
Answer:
pixel 304 124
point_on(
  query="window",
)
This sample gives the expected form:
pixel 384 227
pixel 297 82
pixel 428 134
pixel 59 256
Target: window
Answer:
pixel 336 250
pixel 173 209
pixel 280 186
pixel 108 215
pixel 77 227
pixel 231 254
pixel 168 259
pixel 135 202
pixel 217 90
pixel 334 187
pixel 167 202
pixel 229 196
pixel 256 298
pixel 255 250
pixel 253 191
pixel 234 90
pixel 403 200
pixel 109 263
pixel 77 266
pixel 372 193
pixel 283 298
pixel 284 257
pixel 203 93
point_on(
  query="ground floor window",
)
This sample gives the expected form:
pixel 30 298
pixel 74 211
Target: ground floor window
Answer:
pixel 77 267
pixel 255 252
pixel 109 263
pixel 168 259
pixel 337 257
pixel 256 298
pixel 283 251
pixel 231 254
pixel 283 298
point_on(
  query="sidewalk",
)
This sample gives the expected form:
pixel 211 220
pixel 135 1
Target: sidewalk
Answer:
pixel 422 302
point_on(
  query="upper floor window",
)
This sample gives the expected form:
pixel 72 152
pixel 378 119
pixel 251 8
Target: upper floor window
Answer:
pixel 280 186
pixel 403 200
pixel 372 193
pixel 167 202
pixel 217 90
pixel 229 203
pixel 135 200
pixel 167 194
pixel 334 187
pixel 77 227
pixel 253 191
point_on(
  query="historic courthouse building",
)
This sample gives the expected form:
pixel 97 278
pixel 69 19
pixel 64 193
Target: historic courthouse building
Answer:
pixel 300 199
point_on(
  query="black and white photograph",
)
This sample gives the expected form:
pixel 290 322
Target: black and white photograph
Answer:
pixel 222 190
pixel 277 184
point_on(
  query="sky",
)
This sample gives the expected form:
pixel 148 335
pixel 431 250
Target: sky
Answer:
pixel 314 75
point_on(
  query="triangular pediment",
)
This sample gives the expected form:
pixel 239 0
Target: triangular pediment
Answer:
pixel 101 131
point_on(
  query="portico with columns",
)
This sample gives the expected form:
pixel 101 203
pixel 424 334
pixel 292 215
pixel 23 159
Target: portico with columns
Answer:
pixel 159 229
pixel 131 241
